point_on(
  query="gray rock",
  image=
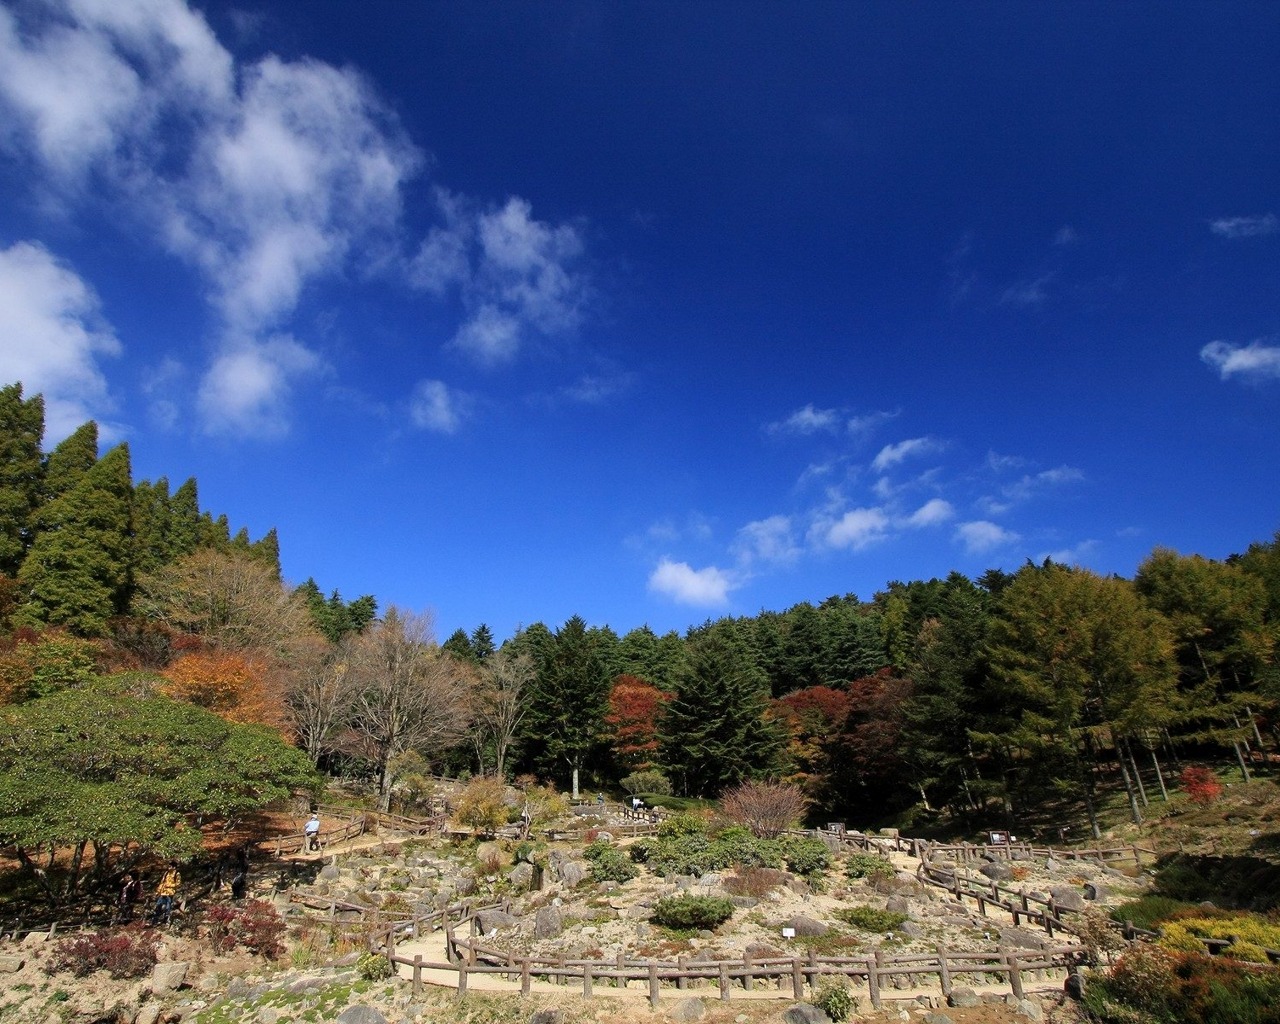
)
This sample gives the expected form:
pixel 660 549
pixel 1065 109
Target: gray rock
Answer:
pixel 936 1018
pixel 572 873
pixel 1074 986
pixel 148 1013
pixel 910 929
pixel 996 871
pixel 1030 1009
pixel 11 964
pixel 268 1015
pixel 546 1017
pixel 688 1009
pixel 806 925
pixel 962 996
pixel 897 905
pixel 804 1013
pixel 521 876
pixel 744 902
pixel 1067 898
pixel 168 977
pixel 548 924
pixel 361 1015
pixel 495 920
pixel 1093 891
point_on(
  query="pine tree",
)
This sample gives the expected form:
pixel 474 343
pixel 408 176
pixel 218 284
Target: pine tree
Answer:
pixel 151 525
pixel 77 572
pixel 70 461
pixel 184 521
pixel 482 642
pixel 267 550
pixel 21 472
pixel 717 730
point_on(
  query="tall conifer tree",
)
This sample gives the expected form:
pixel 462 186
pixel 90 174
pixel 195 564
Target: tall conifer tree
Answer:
pixel 21 472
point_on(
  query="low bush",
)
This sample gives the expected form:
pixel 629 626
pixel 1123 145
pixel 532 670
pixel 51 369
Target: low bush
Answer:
pixel 834 999
pixel 373 967
pixel 679 826
pixel 806 856
pixel 647 782
pixel 1153 984
pixel 1149 911
pixel 683 912
pixel 757 882
pixel 608 863
pixel 254 924
pixel 121 954
pixel 869 919
pixel 867 865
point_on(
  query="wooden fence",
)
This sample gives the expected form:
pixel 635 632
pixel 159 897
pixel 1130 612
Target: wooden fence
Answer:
pixel 296 842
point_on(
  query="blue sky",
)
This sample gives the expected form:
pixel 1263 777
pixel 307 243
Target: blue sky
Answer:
pixel 655 312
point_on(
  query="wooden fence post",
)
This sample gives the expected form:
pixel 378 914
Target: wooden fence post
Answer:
pixel 653 984
pixel 1015 977
pixel 462 980
pixel 525 977
pixel 586 981
pixel 417 975
pixel 797 979
pixel 622 969
pixel 724 980
pixel 873 978
pixel 747 977
pixel 944 972
pixel 680 978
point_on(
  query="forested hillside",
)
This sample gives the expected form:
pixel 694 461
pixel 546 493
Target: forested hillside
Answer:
pixel 977 699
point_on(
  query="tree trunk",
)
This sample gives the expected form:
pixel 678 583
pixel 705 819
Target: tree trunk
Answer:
pixel 1164 791
pixel 1132 794
pixel 924 797
pixel 1244 768
pixel 1137 775
pixel 575 782
pixel 384 787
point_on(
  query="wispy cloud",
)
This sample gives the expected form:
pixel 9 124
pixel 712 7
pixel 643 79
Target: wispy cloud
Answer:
pixel 1066 235
pixel 702 588
pixel 806 421
pixel 1027 293
pixel 854 530
pixel 437 408
pixel 931 513
pixel 893 454
pixel 981 536
pixel 771 540
pixel 1074 555
pixel 517 275
pixel 1245 227
pixel 265 176
pixel 1254 361
pixel 55 335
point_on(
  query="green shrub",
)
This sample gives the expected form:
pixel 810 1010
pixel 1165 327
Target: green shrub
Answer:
pixel 806 856
pixel 373 967
pixel 1149 911
pixel 608 863
pixel 834 999
pixel 647 783
pixel 869 919
pixel 692 912
pixel 867 865
pixel 679 826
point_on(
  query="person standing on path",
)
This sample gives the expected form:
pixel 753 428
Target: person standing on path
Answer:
pixel 311 832
pixel 165 893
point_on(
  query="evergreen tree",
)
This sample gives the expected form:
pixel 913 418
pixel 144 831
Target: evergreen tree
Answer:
pixel 267 550
pixel 77 572
pixel 70 461
pixel 459 646
pixel 184 521
pixel 151 525
pixel 482 643
pixel 717 730
pixel 21 472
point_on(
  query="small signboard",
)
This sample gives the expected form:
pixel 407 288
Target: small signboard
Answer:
pixel 999 837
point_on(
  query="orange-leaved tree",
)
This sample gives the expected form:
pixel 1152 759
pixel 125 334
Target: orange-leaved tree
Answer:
pixel 237 687
pixel 634 707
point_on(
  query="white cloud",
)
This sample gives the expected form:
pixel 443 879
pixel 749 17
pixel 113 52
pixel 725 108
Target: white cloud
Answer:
pixel 246 391
pixel 892 454
pixel 435 407
pixel 1027 293
pixel 982 536
pixel 1254 361
pixel 931 513
pixel 1066 235
pixel 860 426
pixel 516 275
pixel 54 335
pixel 265 176
pixel 1074 555
pixel 767 540
pixel 856 529
pixel 1245 227
pixel 806 421
pixel 1032 484
pixel 703 588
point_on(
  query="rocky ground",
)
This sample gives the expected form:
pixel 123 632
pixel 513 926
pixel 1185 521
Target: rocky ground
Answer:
pixel 569 916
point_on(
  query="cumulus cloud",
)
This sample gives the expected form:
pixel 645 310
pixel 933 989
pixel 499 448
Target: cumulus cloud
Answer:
pixel 1254 361
pixel 1245 227
pixel 892 454
pixel 246 391
pixel 770 540
pixel 703 588
pixel 806 421
pixel 265 176
pixel 435 407
pixel 516 275
pixel 931 513
pixel 55 335
pixel 981 536
pixel 856 529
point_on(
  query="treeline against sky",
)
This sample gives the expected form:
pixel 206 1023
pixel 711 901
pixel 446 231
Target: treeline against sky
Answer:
pixel 971 696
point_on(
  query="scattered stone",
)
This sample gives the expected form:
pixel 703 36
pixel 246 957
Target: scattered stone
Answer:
pixel 548 923
pixel 936 1018
pixel 148 1013
pixel 962 997
pixel 897 905
pixel 1094 892
pixel 804 1013
pixel 268 1015
pixel 996 871
pixel 168 977
pixel 495 920
pixel 361 1015
pixel 806 926
pixel 11 964
pixel 1030 1009
pixel 1074 986
pixel 688 1009
pixel 1067 898
pixel 546 1017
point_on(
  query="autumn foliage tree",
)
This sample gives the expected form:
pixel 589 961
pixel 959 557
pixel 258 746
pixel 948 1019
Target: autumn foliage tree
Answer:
pixel 634 708
pixel 235 687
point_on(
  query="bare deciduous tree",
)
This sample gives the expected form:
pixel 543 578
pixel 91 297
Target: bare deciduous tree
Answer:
pixel 409 694
pixel 319 694
pixel 501 697
pixel 233 600
pixel 767 808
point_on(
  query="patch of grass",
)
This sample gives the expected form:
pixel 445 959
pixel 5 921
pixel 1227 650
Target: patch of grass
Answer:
pixel 869 919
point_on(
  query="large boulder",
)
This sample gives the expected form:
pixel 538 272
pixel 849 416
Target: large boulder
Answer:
pixel 806 926
pixel 548 924
pixel 168 977
pixel 804 1013
pixel 361 1015
pixel 494 920
pixel 1067 897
